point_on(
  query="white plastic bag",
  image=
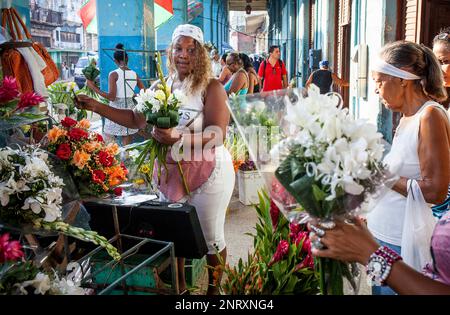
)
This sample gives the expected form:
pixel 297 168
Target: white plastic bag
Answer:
pixel 418 227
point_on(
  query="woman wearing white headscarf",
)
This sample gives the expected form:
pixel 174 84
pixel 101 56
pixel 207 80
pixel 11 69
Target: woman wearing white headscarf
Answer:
pixel 204 117
pixel 409 80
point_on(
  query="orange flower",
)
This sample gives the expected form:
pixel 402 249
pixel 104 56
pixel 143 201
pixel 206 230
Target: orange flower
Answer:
pixel 112 149
pixel 91 146
pixel 55 133
pixel 116 175
pixel 80 159
pixel 84 124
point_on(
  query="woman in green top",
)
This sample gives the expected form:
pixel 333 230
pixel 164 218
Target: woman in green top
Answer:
pixel 239 82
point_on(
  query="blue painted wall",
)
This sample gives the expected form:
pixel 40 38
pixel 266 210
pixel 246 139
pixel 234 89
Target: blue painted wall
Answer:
pixel 22 6
pixel 214 21
pixel 130 23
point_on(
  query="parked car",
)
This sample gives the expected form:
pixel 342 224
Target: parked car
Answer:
pixel 79 77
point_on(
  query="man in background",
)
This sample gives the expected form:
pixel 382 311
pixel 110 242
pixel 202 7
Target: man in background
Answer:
pixel 272 71
pixel 324 78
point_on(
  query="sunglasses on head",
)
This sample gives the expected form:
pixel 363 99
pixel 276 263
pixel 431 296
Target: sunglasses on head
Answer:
pixel 443 36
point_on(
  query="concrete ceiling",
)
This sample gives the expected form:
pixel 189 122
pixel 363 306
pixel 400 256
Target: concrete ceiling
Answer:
pixel 239 5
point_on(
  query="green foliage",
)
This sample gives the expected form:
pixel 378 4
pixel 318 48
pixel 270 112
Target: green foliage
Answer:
pixel 260 275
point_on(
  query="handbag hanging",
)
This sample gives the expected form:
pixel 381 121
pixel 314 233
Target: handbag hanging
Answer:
pixel 13 61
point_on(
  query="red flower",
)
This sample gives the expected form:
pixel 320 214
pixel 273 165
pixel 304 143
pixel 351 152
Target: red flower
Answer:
pixel 9 250
pixel 125 170
pixel 274 214
pixel 282 250
pixel 308 262
pixel 9 90
pixel 64 151
pixel 118 191
pixel 68 122
pixel 98 176
pixel 99 137
pixel 106 159
pixel 294 230
pixel 29 99
pixel 77 134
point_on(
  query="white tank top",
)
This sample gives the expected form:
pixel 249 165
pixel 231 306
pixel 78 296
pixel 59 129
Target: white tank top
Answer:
pixel 191 110
pixel 385 221
pixel 125 88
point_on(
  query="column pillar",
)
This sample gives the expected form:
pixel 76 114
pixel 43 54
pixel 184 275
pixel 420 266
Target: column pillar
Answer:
pixel 130 23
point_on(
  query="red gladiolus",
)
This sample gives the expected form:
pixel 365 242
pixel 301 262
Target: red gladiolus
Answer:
pixel 9 89
pixel 99 138
pixel 64 151
pixel 29 99
pixel 118 191
pixel 105 159
pixel 9 250
pixel 282 250
pixel 68 122
pixel 98 176
pixel 274 214
pixel 77 134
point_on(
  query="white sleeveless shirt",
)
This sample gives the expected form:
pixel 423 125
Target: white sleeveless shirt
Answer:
pixel 385 221
pixel 191 110
pixel 125 87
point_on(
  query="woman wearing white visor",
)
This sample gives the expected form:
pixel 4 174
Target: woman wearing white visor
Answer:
pixel 409 80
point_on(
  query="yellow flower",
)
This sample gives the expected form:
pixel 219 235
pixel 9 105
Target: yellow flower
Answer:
pixel 139 181
pixel 160 95
pixel 80 159
pixel 145 169
pixel 55 133
pixel 84 124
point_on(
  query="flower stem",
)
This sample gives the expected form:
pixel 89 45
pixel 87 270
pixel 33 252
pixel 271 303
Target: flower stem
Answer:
pixel 81 234
pixel 183 178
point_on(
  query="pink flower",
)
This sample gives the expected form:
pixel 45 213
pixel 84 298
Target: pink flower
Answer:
pixel 282 250
pixel 9 250
pixel 9 89
pixel 274 214
pixel 294 230
pixel 29 99
pixel 308 262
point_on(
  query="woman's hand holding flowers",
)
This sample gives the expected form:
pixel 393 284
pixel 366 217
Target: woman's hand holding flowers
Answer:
pixel 166 136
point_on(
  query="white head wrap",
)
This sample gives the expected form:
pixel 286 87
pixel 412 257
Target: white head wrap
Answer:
pixel 386 68
pixel 188 30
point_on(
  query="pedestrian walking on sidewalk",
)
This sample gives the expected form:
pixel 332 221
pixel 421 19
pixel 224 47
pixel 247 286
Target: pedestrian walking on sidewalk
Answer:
pixel 272 71
pixel 122 83
pixel 324 78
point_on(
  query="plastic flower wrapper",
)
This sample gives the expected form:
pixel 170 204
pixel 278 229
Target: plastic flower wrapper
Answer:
pixel 323 165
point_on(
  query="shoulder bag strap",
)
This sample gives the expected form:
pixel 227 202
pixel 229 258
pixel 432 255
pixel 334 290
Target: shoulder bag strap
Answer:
pixel 24 28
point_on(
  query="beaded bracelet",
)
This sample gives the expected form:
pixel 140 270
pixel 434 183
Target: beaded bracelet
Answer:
pixel 380 264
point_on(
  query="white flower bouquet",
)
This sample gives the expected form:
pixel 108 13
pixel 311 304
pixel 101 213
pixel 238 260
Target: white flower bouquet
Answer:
pixel 31 194
pixel 160 107
pixel 325 167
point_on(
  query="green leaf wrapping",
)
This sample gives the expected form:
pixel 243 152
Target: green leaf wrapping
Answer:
pixel 163 122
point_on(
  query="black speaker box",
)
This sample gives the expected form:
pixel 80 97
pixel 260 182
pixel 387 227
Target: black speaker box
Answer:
pixel 172 222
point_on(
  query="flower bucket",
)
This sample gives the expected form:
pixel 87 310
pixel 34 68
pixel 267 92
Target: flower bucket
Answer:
pixel 250 183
